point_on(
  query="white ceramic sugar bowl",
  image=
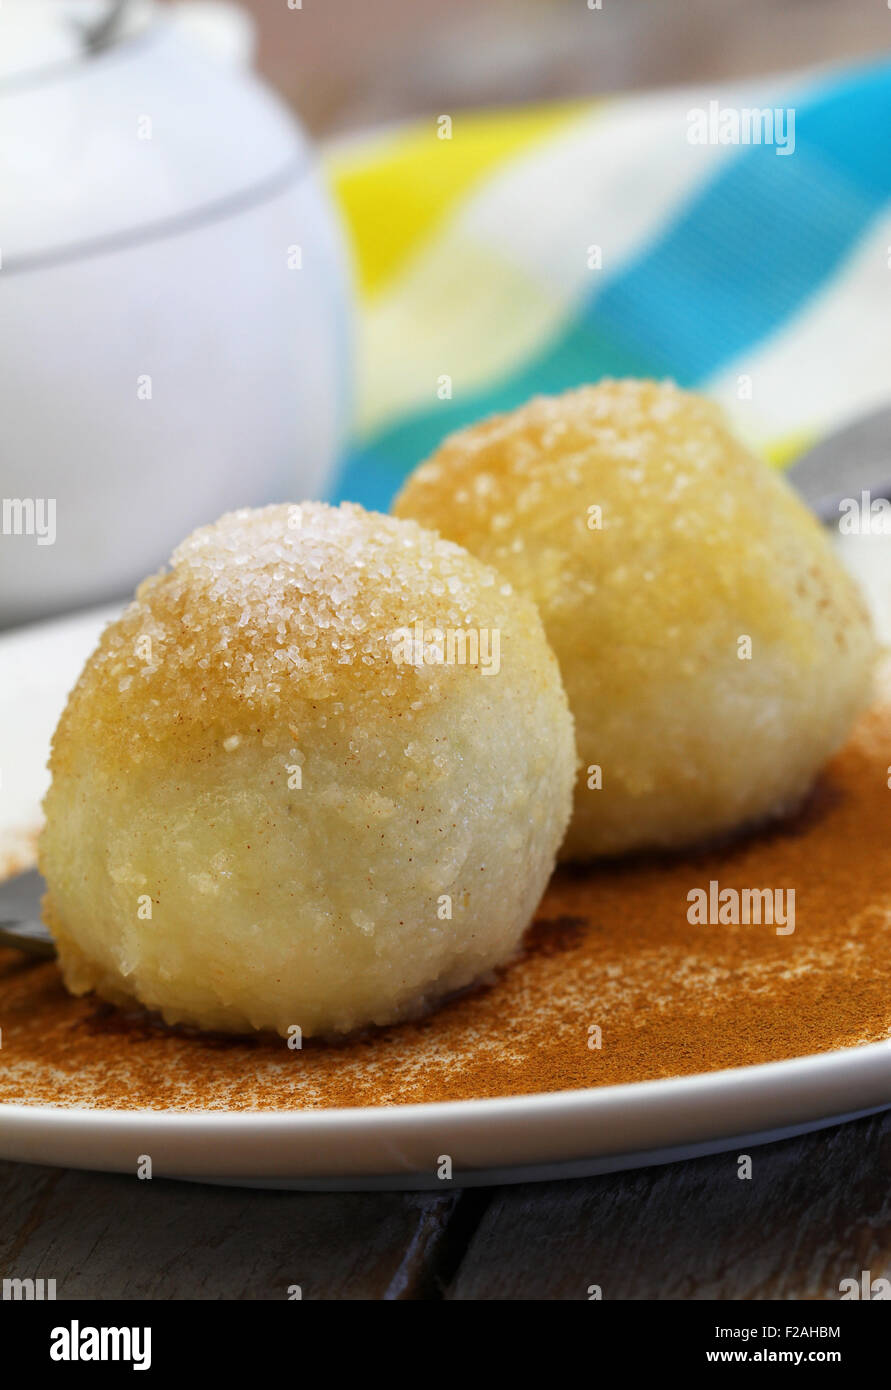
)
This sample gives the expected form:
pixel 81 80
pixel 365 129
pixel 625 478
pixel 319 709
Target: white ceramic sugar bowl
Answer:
pixel 173 294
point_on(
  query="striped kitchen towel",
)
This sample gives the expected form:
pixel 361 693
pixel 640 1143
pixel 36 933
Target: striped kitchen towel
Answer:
pixel 735 240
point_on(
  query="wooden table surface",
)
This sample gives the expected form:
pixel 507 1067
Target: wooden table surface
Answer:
pixel 345 64
pixel 816 1210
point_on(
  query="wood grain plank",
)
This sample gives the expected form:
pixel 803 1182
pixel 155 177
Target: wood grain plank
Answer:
pixel 816 1210
pixel 103 1235
pixel 350 64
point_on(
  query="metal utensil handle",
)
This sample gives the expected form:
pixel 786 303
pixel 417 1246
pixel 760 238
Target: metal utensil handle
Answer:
pixel 101 33
pixel 30 937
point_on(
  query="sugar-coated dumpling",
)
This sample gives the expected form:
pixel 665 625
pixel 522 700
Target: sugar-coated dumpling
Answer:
pixel 713 649
pixel 316 775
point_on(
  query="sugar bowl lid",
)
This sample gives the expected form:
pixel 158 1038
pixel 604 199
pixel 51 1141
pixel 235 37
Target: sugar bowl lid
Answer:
pixel 124 117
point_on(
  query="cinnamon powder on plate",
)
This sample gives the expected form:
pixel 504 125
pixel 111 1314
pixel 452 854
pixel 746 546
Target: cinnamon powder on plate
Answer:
pixel 611 949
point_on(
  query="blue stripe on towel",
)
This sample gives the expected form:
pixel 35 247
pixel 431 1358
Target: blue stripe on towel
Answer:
pixel 740 259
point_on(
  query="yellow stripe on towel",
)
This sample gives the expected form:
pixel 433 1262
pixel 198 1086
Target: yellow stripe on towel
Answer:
pixel 394 189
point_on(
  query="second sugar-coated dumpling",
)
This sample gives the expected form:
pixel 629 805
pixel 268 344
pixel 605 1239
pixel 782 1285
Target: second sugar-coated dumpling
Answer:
pixel 316 776
pixel 713 648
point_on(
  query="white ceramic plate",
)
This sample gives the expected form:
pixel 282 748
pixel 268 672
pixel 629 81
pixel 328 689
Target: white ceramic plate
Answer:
pixel 514 1139
pixel 566 1134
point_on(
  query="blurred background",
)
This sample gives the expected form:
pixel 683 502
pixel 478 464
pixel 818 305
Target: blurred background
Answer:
pixel 244 260
pixel 347 63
